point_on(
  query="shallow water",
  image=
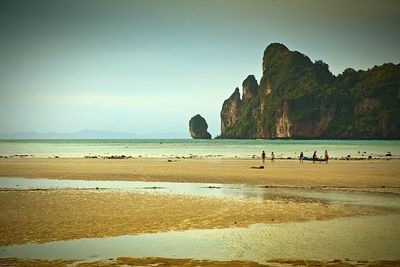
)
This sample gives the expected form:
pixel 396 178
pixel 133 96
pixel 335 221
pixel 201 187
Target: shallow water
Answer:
pixel 357 238
pixel 201 148
pixel 366 238
pixel 377 200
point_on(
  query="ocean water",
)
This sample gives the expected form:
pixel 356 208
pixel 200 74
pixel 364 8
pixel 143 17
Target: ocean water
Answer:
pixel 199 148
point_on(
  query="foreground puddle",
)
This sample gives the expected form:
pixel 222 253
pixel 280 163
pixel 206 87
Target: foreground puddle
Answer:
pixel 366 238
pixel 364 199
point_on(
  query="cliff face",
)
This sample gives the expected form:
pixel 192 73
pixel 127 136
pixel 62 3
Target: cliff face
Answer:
pixel 234 109
pixel 231 110
pixel 297 98
pixel 250 88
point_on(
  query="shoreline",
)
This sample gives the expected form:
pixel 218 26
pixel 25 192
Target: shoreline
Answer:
pixel 157 261
pixel 186 157
pixel 190 148
pixel 380 175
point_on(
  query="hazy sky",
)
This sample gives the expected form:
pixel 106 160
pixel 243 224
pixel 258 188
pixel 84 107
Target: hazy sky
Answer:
pixel 148 66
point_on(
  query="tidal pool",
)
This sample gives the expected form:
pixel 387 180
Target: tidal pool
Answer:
pixel 366 199
pixel 357 238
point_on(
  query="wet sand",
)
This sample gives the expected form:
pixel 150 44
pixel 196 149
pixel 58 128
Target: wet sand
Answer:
pixel 126 261
pixel 381 175
pixel 49 215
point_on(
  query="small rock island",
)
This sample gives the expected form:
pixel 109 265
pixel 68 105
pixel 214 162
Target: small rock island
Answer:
pixel 198 128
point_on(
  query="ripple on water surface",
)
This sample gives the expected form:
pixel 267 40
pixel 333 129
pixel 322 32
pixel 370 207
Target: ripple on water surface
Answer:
pixel 366 238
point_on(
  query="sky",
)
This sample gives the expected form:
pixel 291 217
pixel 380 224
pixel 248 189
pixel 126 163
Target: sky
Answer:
pixel 146 67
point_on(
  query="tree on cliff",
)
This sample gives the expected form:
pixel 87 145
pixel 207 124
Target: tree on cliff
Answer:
pixel 198 128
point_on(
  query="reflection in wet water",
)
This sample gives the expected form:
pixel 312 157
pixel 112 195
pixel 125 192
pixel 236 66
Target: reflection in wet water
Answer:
pixel 365 199
pixel 366 238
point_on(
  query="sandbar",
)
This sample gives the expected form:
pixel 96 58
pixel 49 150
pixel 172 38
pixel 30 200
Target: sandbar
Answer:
pixel 381 175
pixel 49 215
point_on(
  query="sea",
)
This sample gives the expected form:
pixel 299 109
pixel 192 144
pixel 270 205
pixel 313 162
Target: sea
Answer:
pixel 215 148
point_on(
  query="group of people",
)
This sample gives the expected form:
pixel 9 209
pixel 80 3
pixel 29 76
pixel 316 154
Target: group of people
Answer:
pixel 263 156
pixel 301 157
pixel 315 157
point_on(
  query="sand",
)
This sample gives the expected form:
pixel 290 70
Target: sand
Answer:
pixel 362 174
pixel 126 261
pixel 48 215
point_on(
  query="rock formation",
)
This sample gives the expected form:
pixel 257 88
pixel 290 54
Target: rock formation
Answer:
pixel 297 98
pixel 198 128
pixel 231 110
pixel 250 88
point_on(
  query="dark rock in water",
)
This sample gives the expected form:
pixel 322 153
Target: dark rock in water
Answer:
pixel 388 154
pixel 116 157
pixel 198 128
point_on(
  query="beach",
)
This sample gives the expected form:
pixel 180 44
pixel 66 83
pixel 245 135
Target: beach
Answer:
pixel 153 261
pixel 49 215
pixel 43 215
pixel 382 175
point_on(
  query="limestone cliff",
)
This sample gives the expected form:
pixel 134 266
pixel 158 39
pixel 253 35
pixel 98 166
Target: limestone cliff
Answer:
pixel 231 110
pixel 283 123
pixel 198 128
pixel 298 98
pixel 250 88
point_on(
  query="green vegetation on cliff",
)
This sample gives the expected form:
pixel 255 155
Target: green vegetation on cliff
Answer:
pixel 297 98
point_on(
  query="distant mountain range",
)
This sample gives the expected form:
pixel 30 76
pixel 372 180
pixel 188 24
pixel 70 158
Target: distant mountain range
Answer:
pixel 91 134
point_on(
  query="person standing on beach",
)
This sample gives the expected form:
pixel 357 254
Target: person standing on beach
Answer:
pixel 263 156
pixel 314 157
pixel 301 157
pixel 326 156
pixel 272 157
